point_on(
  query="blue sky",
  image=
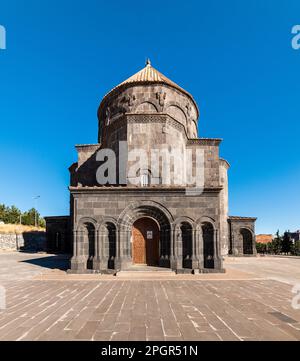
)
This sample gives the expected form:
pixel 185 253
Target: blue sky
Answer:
pixel 235 57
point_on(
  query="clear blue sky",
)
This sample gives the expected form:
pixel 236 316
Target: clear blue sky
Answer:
pixel 235 57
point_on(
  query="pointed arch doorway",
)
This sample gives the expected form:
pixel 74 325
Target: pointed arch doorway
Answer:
pixel 145 242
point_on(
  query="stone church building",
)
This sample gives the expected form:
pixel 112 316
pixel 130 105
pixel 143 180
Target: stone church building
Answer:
pixel 126 213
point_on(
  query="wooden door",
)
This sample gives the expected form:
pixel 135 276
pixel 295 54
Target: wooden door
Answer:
pixel 145 247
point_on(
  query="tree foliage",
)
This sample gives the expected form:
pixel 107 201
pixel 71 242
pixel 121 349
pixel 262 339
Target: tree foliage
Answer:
pixel 13 215
pixel 281 244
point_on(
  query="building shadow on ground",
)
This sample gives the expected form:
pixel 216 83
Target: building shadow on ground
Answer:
pixel 60 261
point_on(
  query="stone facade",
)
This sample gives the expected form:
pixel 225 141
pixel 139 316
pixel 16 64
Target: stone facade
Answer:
pixel 145 113
pixel 242 236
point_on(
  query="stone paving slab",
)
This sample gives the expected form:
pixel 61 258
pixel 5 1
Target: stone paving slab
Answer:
pixel 251 301
pixel 149 310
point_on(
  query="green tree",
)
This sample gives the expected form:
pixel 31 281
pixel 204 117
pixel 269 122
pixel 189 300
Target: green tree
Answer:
pixel 261 247
pixel 28 217
pixel 276 244
pixel 2 212
pixel 42 222
pixel 13 215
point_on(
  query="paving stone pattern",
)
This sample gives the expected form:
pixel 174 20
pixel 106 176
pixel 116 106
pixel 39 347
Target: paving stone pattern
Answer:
pixel 144 309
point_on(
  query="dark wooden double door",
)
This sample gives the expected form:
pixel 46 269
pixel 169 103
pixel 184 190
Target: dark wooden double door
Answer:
pixel 145 242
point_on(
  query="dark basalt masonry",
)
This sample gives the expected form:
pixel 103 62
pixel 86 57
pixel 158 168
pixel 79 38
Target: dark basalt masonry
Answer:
pixel 195 232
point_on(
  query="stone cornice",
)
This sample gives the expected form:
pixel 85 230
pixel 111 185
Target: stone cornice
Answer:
pixel 88 147
pixel 243 219
pixel 204 141
pixel 57 217
pixel 140 190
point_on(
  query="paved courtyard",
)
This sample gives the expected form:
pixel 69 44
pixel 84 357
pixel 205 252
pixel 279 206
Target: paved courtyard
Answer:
pixel 251 301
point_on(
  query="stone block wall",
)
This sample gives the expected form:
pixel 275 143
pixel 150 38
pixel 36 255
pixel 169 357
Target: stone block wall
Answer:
pixel 31 241
pixel 112 202
pixel 242 236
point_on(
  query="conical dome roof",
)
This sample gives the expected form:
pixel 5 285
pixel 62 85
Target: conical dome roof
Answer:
pixel 149 75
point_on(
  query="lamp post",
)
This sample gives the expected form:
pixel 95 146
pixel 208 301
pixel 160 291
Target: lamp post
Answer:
pixel 35 210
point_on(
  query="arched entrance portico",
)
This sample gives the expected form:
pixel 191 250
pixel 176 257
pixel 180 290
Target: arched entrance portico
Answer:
pixel 145 242
pixel 153 211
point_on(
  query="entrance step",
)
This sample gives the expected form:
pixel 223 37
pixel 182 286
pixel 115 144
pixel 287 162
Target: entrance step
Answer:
pixel 146 272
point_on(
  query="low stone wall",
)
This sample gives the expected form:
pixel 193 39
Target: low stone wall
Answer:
pixel 31 241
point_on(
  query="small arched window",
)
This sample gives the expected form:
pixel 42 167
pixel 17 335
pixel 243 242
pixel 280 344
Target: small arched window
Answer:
pixel 145 177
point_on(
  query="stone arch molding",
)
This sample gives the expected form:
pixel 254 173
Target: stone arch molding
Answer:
pixel 84 220
pixel 204 219
pixel 145 107
pixel 105 220
pixel 175 105
pixel 247 229
pixel 138 209
pixel 178 221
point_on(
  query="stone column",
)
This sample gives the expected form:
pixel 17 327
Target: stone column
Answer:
pixel 125 246
pixel 199 247
pixel 78 261
pixel 117 262
pixel 195 261
pixel 178 248
pixel 161 248
pixel 104 251
pixel 217 258
pixel 75 245
pixel 172 249
pixel 254 251
pixel 167 249
pixel 97 257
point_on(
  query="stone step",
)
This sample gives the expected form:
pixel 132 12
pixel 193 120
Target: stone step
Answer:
pixel 142 273
pixel 145 268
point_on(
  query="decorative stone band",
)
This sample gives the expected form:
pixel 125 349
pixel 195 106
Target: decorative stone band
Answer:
pixel 162 118
pixel 88 147
pixel 237 218
pixel 204 141
pixel 136 189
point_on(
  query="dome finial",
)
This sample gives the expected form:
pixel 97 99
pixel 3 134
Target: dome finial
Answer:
pixel 148 62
